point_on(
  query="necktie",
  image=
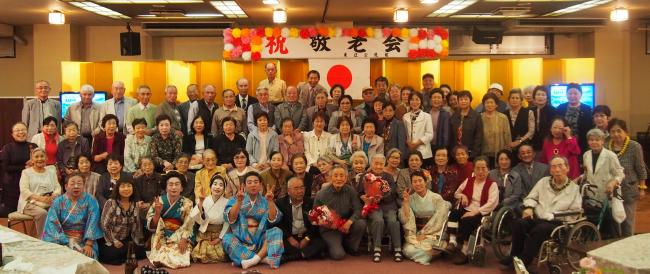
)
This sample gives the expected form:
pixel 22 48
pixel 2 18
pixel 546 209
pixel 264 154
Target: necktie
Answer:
pixel 243 103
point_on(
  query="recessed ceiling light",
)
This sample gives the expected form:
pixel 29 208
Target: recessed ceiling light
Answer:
pixel 229 8
pixel 578 7
pixel 452 7
pixel 619 14
pixel 279 16
pixel 94 8
pixel 428 2
pixel 401 15
pixel 56 18
pixel 270 2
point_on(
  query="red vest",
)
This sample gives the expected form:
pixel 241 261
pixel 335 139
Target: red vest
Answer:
pixel 485 192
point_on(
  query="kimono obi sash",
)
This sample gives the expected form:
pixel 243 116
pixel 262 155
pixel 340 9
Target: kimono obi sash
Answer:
pixel 421 222
pixel 172 224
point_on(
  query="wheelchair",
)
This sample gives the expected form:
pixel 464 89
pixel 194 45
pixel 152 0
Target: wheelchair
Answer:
pixel 556 251
pixel 493 231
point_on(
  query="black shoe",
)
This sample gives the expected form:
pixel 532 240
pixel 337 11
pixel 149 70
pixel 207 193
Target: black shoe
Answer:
pixel 507 261
pixel 376 256
pixel 460 259
pixel 354 253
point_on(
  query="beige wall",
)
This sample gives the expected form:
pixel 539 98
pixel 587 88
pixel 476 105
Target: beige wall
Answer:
pixel 621 73
pixel 17 74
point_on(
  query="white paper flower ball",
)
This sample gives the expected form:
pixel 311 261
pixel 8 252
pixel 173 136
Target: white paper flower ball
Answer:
pixel 413 32
pixel 431 44
pixel 246 56
pixel 413 46
pixel 438 49
pixel 228 47
pixel 285 32
pixel 423 43
pixel 437 38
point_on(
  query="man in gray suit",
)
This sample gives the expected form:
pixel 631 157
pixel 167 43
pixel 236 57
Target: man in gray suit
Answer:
pixel 36 110
pixel 309 89
pixel 290 108
pixel 529 170
pixel 119 105
pixel 85 114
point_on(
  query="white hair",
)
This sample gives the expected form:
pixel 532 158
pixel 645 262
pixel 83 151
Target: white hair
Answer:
pixel 87 89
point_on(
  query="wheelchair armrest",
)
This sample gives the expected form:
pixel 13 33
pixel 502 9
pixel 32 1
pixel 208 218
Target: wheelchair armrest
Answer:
pixel 567 213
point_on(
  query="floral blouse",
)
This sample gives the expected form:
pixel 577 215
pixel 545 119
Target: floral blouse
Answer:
pixel 165 149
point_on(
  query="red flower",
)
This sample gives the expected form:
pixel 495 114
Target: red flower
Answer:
pixel 260 31
pixel 347 32
pixel 256 56
pixel 246 47
pixel 444 34
pixel 313 32
pixel 236 42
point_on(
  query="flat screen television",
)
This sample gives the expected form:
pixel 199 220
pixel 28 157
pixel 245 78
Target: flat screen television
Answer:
pixel 68 98
pixel 558 94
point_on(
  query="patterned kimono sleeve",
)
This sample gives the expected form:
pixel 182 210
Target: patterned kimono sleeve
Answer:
pixel 185 231
pixel 93 231
pixel 53 231
pixel 108 213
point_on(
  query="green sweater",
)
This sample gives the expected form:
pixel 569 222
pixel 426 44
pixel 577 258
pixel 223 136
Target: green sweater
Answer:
pixel 135 112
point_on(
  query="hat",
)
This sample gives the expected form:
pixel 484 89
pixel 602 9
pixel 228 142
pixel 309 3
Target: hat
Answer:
pixel 496 86
pixel 366 88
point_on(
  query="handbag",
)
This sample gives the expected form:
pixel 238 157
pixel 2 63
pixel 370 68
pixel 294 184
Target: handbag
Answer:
pixel 616 203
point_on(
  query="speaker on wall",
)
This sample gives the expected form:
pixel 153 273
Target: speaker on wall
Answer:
pixel 487 35
pixel 129 43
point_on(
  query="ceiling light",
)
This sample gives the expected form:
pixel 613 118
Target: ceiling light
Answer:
pixel 452 7
pixel 578 7
pixel 94 8
pixel 229 8
pixel 428 2
pixel 401 15
pixel 56 18
pixel 279 16
pixel 619 14
pixel 270 2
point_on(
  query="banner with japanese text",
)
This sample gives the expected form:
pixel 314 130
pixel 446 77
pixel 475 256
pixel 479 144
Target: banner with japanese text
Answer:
pixel 323 42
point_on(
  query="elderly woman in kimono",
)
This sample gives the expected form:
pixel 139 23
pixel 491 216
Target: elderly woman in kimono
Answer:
pixel 73 219
pixel 169 216
pixel 250 216
pixel 208 214
pixel 423 215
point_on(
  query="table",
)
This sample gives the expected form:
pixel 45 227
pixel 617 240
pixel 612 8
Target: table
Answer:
pixel 46 257
pixel 629 255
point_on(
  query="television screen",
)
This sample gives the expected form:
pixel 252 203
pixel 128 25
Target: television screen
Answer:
pixel 70 97
pixel 558 94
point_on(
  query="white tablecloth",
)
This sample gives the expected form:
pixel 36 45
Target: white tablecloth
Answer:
pixel 45 257
pixel 629 255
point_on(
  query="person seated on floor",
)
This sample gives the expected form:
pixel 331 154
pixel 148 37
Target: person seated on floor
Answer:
pixel 550 195
pixel 250 215
pixel 121 224
pixel 73 219
pixel 386 215
pixel 301 239
pixel 208 214
pixel 341 198
pixel 478 197
pixel 423 215
pixel 169 217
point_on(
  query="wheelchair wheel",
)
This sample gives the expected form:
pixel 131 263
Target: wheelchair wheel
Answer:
pixel 478 258
pixel 555 269
pixel 581 234
pixel 501 235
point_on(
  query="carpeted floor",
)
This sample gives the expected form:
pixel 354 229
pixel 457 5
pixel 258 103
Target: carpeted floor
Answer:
pixel 351 265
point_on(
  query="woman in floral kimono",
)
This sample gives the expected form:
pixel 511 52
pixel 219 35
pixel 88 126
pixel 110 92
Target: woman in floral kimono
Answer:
pixel 73 219
pixel 250 216
pixel 170 217
pixel 208 214
pixel 423 214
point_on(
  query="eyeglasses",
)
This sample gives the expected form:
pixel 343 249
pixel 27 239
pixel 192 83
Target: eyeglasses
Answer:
pixel 239 157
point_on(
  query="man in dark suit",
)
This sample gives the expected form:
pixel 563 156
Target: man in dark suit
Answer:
pixel 301 239
pixel 189 109
pixel 207 106
pixel 244 100
pixel 529 170
pixel 577 115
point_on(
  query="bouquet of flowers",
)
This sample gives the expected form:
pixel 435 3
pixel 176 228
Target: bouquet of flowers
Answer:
pixel 588 266
pixel 325 217
pixel 374 187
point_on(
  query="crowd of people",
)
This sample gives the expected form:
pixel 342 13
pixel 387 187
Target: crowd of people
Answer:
pixel 204 183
